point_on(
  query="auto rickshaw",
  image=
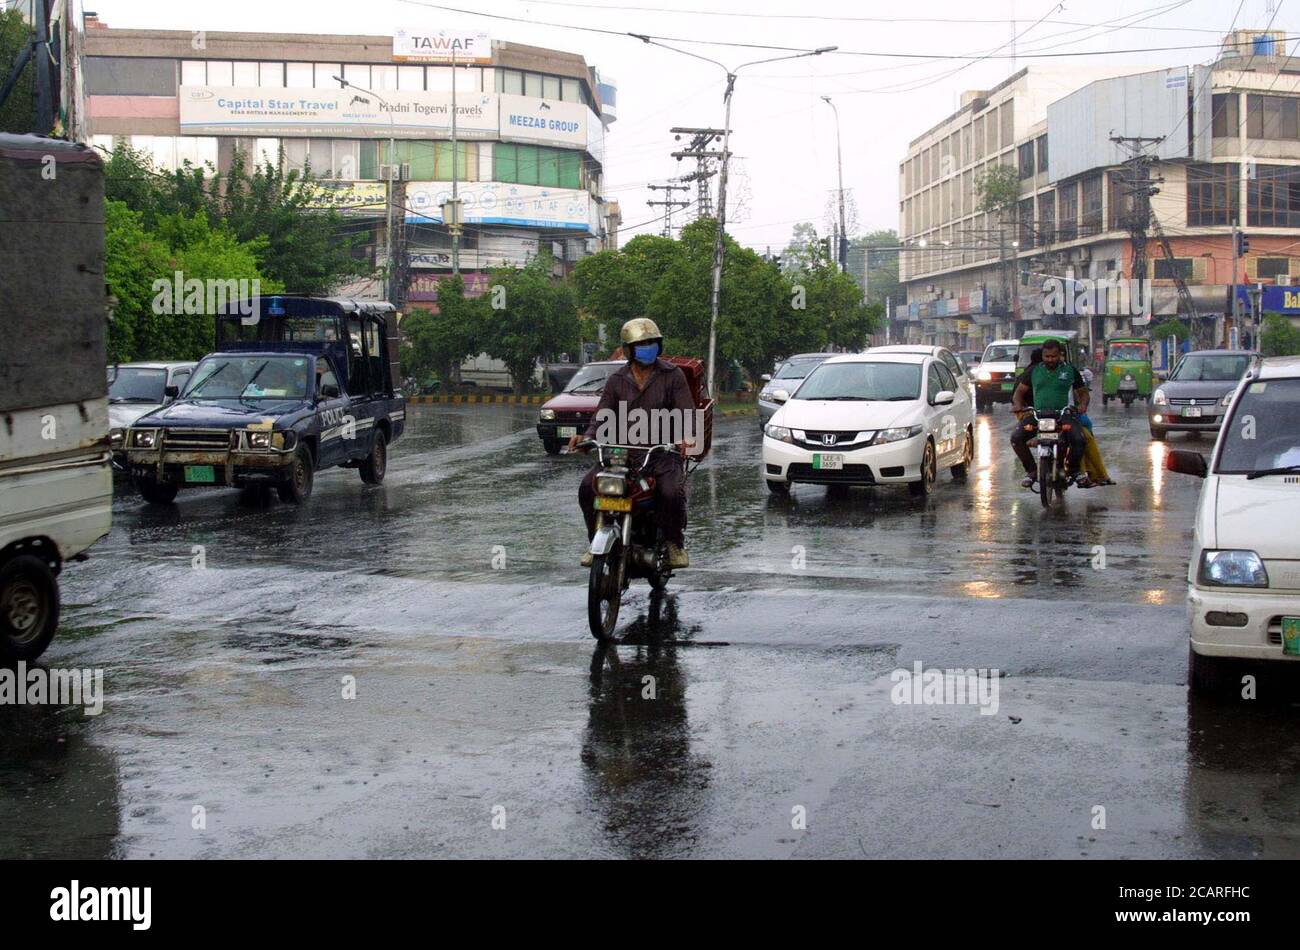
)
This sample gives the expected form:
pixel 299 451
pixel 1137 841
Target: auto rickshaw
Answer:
pixel 1126 375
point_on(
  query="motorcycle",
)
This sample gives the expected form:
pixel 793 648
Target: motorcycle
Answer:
pixel 627 543
pixel 1049 447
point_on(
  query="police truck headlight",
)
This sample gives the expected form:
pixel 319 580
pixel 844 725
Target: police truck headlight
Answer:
pixel 780 433
pixel 1160 399
pixel 1233 569
pixel 258 440
pixel 547 415
pixel 611 484
pixel 144 438
pixel 115 437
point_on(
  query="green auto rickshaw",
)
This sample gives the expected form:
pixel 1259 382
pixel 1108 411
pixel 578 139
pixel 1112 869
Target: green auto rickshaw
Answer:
pixel 1126 375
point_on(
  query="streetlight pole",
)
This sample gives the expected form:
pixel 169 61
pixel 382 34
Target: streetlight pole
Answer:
pixel 718 243
pixel 455 176
pixel 389 188
pixel 840 253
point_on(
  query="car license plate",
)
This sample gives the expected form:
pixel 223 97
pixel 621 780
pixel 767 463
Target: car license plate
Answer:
pixel 200 474
pixel 827 463
pixel 613 504
pixel 1007 387
pixel 567 431
pixel 1192 411
pixel 1291 636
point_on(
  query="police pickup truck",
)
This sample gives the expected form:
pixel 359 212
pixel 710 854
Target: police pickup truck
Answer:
pixel 297 384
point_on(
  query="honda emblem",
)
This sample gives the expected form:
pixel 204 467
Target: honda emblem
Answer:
pixel 829 438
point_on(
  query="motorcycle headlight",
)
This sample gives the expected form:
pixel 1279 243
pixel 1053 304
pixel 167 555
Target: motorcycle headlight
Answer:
pixel 900 434
pixel 780 433
pixel 614 484
pixel 1160 399
pixel 1227 399
pixel 1233 569
pixel 1046 425
pixel 144 438
pixel 258 440
pixel 546 415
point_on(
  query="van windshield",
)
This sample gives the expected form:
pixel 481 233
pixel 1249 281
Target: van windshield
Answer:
pixel 999 353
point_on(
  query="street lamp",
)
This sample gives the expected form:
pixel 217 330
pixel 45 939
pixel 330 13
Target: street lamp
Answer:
pixel 392 158
pixel 722 177
pixel 839 161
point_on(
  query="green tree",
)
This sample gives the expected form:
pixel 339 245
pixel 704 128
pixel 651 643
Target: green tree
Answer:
pixel 436 343
pixel 1170 326
pixel 17 113
pixel 527 316
pixel 998 191
pixel 1279 336
pixel 615 286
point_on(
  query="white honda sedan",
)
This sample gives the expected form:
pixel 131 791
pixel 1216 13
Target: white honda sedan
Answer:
pixel 871 419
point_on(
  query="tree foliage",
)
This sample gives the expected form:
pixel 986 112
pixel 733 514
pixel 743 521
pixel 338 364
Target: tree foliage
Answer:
pixel 1279 336
pixel 998 190
pixel 17 113
pixel 526 316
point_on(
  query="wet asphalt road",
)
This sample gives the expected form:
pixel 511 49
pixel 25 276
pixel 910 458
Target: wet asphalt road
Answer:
pixel 452 596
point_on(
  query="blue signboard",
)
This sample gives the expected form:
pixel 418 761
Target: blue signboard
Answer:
pixel 1273 300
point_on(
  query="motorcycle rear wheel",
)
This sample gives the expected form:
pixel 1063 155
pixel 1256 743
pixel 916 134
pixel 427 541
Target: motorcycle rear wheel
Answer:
pixel 604 593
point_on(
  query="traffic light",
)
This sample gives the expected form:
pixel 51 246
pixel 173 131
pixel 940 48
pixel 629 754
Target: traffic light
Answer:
pixel 1243 244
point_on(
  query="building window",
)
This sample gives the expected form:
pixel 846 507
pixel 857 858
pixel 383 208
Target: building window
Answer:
pixel 535 165
pixel 1026 219
pixel 410 78
pixel 1042 153
pixel 1211 195
pixel 1272 267
pixel 1165 269
pixel 1025 157
pixel 1273 197
pixel 1091 221
pixel 130 76
pixel 991 134
pixel 221 72
pixel 1069 211
pixel 328 158
pixel 194 72
pixel 1225 120
pixel 245 74
pixel 978 126
pixel 1272 117
pixel 1047 218
pixel 570 90
pixel 1007 119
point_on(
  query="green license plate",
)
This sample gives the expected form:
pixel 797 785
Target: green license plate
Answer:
pixel 1291 636
pixel 201 474
pixel 1008 386
pixel 827 463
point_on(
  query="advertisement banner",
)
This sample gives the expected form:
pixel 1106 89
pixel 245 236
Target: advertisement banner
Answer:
pixel 426 46
pixel 425 286
pixel 351 197
pixel 491 202
pixel 543 121
pixel 345 113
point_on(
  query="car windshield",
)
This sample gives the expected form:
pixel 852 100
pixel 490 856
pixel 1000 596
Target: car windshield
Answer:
pixel 249 377
pixel 1264 431
pixel 796 370
pixel 135 384
pixel 871 382
pixel 590 378
pixel 996 353
pixel 1220 368
pixel 1127 351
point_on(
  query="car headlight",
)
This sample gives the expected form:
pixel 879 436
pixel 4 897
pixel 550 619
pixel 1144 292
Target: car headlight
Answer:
pixel 547 415
pixel 260 439
pixel 115 436
pixel 1227 399
pixel 1160 399
pixel 984 375
pixel 144 438
pixel 900 434
pixel 765 393
pixel 614 484
pixel 1233 569
pixel 780 433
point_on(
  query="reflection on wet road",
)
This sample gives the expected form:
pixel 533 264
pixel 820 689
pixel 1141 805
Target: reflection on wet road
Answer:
pixel 450 601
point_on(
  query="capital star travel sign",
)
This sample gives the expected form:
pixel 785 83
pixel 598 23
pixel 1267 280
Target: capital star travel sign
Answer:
pixel 439 46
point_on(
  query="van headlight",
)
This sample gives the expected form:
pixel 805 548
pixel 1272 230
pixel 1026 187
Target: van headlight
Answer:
pixel 144 438
pixel 1160 399
pixel 780 433
pixel 1232 569
pixel 547 415
pixel 900 434
pixel 613 484
pixel 984 375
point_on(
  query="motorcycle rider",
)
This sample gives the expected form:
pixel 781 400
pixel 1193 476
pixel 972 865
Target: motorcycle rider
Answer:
pixel 647 383
pixel 1049 383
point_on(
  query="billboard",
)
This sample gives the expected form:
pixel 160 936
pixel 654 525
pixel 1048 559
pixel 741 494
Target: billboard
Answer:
pixel 491 202
pixel 440 46
pixel 543 121
pixel 221 110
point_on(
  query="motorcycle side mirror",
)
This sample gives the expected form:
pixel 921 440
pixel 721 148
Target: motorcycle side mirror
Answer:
pixel 781 395
pixel 1186 463
pixel 945 398
pixel 171 392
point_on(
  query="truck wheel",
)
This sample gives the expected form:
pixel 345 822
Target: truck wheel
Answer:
pixel 29 608
pixel 156 492
pixel 297 487
pixel 552 446
pixel 374 465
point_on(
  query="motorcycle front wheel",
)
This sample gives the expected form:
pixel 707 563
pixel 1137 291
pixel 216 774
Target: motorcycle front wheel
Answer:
pixel 1045 478
pixel 604 593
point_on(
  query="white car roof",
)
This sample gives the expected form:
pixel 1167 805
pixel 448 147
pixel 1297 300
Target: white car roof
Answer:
pixel 907 348
pixel 155 364
pixel 1279 367
pixel 876 356
pixel 1003 343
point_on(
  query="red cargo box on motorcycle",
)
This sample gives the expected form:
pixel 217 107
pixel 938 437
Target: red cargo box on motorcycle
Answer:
pixel 694 370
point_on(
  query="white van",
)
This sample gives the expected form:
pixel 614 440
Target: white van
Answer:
pixel 996 377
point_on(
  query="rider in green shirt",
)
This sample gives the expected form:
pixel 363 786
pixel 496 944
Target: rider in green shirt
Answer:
pixel 1050 384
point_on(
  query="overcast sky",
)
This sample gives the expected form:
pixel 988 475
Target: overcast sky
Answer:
pixel 783 134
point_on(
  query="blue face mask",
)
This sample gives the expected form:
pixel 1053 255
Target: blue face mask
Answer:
pixel 645 353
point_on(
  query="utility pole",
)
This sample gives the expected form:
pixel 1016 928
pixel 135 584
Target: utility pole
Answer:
pixel 455 184
pixel 669 205
pixel 841 249
pixel 699 150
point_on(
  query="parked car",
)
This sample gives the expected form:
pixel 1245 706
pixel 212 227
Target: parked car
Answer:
pixel 1195 397
pixel 996 376
pixel 570 411
pixel 787 375
pixel 1243 582
pixel 874 418
pixel 135 389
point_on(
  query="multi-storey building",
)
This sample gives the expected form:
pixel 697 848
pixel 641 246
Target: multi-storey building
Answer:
pixel 1221 148
pixel 528 162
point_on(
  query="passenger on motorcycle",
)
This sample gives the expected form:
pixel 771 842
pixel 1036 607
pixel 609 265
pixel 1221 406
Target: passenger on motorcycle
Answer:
pixel 646 384
pixel 1049 384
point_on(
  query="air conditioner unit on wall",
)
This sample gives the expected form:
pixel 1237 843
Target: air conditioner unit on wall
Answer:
pixel 1283 280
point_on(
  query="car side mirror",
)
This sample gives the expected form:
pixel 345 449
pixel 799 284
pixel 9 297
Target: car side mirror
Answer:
pixel 1186 463
pixel 172 391
pixel 781 395
pixel 766 378
pixel 945 398
pixel 330 391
